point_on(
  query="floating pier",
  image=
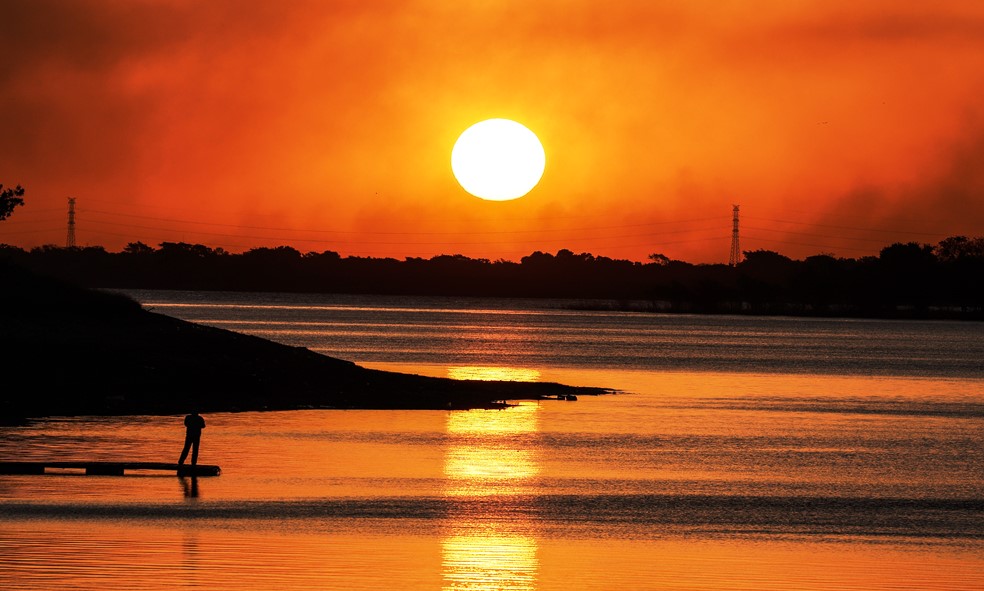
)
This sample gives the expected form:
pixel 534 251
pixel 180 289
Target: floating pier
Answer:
pixel 107 468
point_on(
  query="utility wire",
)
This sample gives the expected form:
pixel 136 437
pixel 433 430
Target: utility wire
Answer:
pixel 845 227
pixel 466 233
pixel 354 251
pixel 760 239
pixel 874 240
pixel 396 243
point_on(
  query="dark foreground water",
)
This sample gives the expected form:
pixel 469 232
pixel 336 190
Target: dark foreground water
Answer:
pixel 741 453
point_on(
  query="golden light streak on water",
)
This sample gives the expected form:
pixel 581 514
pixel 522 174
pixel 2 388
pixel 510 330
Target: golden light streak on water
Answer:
pixel 493 374
pixel 486 425
pixel 485 560
pixel 492 455
pixel 491 452
pixel 494 467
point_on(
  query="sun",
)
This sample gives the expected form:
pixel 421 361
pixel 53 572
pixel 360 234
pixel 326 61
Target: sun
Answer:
pixel 498 160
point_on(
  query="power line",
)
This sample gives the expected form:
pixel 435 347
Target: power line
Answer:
pixel 35 231
pixel 21 222
pixel 847 227
pixel 198 211
pixel 600 236
pixel 430 252
pixel 874 240
pixel 772 240
pixel 47 209
pixel 398 243
pixel 359 232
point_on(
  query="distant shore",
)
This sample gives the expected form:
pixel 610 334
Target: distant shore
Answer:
pixel 75 351
pixel 778 309
pixel 905 281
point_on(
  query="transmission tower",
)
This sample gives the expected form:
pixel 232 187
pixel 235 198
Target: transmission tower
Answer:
pixel 735 249
pixel 70 242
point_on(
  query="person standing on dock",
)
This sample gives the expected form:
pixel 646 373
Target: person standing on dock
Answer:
pixel 194 424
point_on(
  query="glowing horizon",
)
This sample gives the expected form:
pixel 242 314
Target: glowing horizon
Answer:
pixel 838 128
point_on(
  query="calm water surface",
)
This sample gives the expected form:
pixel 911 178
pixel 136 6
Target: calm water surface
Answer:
pixel 740 453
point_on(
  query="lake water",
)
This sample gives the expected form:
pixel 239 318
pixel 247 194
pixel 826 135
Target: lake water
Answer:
pixel 739 453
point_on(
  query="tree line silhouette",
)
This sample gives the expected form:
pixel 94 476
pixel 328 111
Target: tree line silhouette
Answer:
pixel 905 280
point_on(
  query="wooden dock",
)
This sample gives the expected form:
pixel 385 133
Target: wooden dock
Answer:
pixel 107 468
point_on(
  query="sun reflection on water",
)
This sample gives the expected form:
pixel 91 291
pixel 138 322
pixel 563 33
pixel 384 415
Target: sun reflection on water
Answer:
pixel 493 374
pixel 491 452
pixel 482 426
pixel 491 455
pixel 489 560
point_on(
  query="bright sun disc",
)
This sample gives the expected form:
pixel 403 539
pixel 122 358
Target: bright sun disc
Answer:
pixel 498 160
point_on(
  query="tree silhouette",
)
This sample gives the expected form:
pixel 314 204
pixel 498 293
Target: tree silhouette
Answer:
pixel 904 280
pixel 9 199
pixel 908 273
pixel 659 259
pixel 957 248
pixel 138 249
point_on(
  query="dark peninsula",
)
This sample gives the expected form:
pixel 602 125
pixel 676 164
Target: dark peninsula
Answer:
pixel 69 350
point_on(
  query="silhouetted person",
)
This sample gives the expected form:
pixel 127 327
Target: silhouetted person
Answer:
pixel 193 436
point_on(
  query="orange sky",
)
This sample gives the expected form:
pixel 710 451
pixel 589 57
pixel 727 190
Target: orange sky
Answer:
pixel 839 127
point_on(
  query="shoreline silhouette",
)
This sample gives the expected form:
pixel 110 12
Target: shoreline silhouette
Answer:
pixel 87 352
pixel 909 280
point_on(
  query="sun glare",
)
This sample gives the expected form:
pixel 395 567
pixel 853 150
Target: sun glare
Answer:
pixel 498 160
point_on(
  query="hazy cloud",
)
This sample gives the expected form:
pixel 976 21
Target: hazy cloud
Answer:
pixel 340 115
